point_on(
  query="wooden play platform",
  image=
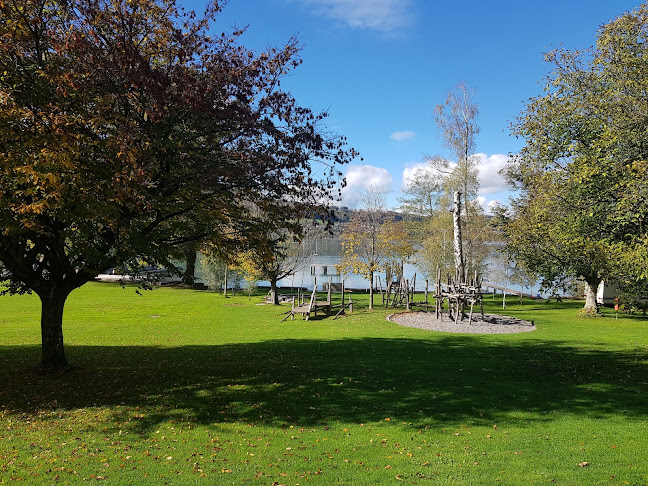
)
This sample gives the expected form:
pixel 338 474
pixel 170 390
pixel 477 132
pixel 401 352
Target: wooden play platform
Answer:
pixel 313 305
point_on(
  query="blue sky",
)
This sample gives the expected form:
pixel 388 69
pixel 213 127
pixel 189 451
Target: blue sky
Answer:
pixel 380 66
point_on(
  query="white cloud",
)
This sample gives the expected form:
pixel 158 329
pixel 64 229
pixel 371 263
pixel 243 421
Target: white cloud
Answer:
pixel 490 180
pixel 482 202
pixel 487 205
pixel 410 172
pixel 363 177
pixel 381 15
pixel 492 204
pixel 400 136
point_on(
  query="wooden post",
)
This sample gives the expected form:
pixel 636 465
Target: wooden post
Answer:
pixel 329 295
pixel 313 299
pixel 413 287
pixel 407 295
pixel 225 286
pixel 343 305
pixel 437 288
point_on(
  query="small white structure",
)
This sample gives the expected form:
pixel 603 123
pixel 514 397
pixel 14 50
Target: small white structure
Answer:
pixel 324 272
pixel 606 293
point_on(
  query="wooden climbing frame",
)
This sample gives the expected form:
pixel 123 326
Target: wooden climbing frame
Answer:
pixel 458 296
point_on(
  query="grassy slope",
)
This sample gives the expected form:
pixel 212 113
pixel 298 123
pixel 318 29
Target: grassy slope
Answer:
pixel 184 387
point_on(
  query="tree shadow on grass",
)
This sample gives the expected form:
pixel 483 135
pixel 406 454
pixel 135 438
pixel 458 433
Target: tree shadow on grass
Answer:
pixel 310 382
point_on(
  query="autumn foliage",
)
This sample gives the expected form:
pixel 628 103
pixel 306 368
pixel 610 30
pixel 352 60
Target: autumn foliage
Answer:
pixel 126 131
pixel 371 242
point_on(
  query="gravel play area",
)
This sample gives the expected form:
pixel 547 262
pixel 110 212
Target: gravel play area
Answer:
pixel 490 324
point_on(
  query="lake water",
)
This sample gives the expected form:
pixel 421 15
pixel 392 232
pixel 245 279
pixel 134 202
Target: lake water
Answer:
pixel 325 253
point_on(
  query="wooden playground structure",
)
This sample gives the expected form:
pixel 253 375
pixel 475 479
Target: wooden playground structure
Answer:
pixel 305 308
pixel 401 293
pixel 459 296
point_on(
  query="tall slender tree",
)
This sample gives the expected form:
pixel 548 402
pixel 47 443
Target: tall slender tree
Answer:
pixel 457 122
pixel 460 268
pixel 451 185
pixel 362 251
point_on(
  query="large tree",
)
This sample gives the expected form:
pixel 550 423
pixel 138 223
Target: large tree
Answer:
pixel 126 131
pixel 582 209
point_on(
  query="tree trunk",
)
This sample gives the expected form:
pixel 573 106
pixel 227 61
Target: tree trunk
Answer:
pixel 52 351
pixel 273 291
pixel 190 273
pixel 591 287
pixel 458 242
pixel 371 285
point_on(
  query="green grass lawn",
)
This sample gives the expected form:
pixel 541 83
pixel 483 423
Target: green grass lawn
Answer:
pixel 187 387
